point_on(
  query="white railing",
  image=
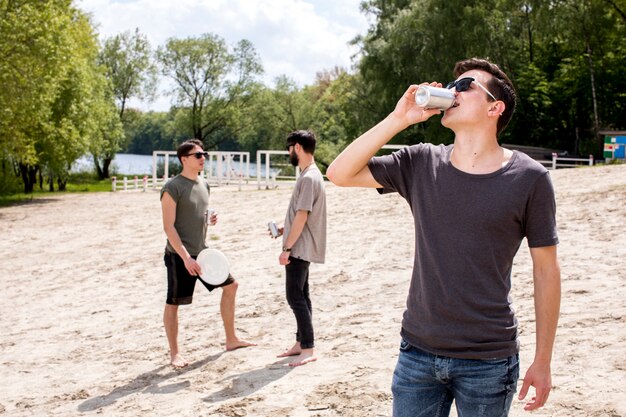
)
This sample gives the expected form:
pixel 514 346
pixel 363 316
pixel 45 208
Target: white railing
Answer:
pixel 222 161
pixel 135 184
pixel 166 165
pixel 271 177
pixel 569 162
pixel 226 159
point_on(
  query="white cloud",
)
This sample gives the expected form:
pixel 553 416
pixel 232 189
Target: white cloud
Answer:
pixel 296 38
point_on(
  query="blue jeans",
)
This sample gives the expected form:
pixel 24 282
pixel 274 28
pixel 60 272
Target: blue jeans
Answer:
pixel 424 385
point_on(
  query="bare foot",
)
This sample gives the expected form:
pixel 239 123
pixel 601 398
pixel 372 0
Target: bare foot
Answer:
pixel 295 350
pixel 238 344
pixel 177 361
pixel 305 357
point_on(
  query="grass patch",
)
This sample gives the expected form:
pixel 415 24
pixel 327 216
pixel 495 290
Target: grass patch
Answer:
pixel 77 183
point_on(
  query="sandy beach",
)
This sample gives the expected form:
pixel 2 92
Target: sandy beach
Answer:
pixel 84 287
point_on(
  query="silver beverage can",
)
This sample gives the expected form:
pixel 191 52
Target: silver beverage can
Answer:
pixel 273 228
pixel 207 215
pixel 434 97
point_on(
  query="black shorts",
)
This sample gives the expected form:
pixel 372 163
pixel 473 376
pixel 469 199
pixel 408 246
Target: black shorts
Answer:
pixel 180 284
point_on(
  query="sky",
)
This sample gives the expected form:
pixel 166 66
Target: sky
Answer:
pixel 296 38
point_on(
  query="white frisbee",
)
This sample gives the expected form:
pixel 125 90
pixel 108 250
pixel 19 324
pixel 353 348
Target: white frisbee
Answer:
pixel 214 266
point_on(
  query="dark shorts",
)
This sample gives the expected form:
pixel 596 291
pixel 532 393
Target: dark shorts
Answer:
pixel 180 284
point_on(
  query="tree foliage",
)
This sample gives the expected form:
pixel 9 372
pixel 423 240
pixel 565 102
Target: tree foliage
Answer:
pixel 64 95
pixel 562 55
pixel 127 61
pixel 54 94
pixel 211 82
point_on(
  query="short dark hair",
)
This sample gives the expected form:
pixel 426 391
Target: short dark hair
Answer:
pixel 184 148
pixel 500 86
pixel 305 138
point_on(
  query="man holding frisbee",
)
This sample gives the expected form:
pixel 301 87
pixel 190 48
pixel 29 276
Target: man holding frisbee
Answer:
pixel 473 202
pixel 184 203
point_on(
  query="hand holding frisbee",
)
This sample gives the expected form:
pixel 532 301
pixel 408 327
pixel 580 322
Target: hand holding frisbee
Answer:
pixel 214 264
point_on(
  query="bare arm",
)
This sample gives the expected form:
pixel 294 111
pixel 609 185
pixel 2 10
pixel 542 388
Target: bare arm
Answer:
pixel 547 286
pixel 294 234
pixel 350 169
pixel 168 208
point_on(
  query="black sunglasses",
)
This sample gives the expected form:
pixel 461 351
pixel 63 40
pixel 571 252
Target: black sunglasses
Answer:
pixel 290 145
pixel 199 155
pixel 464 84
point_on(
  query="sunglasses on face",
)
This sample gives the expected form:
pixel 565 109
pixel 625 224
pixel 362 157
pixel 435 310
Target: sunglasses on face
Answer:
pixel 464 84
pixel 289 146
pixel 199 155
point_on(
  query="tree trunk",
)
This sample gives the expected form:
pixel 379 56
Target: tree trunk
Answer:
pixel 530 33
pixel 51 184
pixel 29 177
pixel 62 184
pixel 596 118
pixel 106 163
pixel 98 169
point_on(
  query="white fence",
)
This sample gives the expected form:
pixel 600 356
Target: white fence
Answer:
pixel 225 169
pixel 566 162
pixel 220 169
pixel 268 176
pixel 135 184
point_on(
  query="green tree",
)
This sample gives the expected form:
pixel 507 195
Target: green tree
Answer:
pixel 562 55
pixel 32 44
pixel 52 88
pixel 150 131
pixel 573 87
pixel 211 83
pixel 420 40
pixel 127 60
pixel 78 109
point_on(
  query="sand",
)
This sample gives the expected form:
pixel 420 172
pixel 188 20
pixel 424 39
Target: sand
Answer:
pixel 84 287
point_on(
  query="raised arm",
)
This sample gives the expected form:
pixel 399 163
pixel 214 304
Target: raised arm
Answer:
pixel 350 169
pixel 547 287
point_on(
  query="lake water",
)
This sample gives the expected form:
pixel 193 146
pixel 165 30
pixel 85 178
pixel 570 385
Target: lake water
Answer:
pixel 133 164
pixel 123 164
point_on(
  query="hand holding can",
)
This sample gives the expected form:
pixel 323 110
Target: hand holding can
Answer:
pixel 210 217
pixel 431 97
pixel 273 229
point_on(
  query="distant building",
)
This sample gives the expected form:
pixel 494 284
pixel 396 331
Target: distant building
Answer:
pixel 614 144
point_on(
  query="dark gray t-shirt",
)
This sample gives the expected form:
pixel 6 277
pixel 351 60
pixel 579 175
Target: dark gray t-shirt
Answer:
pixel 468 228
pixel 192 201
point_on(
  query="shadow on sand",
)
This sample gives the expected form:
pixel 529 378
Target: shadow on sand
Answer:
pixel 249 382
pixel 148 382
